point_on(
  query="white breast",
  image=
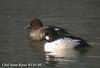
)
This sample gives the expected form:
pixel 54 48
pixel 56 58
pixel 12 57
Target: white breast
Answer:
pixel 60 47
pixel 38 34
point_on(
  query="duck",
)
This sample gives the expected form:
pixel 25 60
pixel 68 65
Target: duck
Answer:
pixel 38 30
pixel 57 44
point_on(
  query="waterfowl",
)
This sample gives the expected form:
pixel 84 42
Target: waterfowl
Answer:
pixel 38 30
pixel 57 45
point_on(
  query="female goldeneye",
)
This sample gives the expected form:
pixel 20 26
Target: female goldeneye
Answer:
pixel 38 30
pixel 57 44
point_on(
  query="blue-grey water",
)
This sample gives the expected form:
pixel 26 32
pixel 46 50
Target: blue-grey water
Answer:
pixel 79 17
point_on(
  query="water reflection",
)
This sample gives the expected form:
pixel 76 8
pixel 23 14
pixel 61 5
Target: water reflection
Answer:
pixel 67 56
pixel 64 57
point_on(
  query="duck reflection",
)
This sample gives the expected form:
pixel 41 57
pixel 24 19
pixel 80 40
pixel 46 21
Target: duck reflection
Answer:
pixel 67 56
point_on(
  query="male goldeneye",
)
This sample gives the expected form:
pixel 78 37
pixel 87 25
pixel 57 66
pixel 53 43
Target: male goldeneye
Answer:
pixel 57 44
pixel 38 30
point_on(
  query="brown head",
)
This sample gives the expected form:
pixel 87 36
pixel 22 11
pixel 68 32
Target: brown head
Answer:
pixel 35 24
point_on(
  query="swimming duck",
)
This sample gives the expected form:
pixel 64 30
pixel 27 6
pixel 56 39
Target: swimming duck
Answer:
pixel 38 30
pixel 57 44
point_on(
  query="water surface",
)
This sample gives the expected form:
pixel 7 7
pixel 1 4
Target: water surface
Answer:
pixel 80 17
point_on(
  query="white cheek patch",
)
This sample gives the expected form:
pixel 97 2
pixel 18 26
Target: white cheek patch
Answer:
pixel 47 37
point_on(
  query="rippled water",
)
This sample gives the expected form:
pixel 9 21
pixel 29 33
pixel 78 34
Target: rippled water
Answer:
pixel 80 17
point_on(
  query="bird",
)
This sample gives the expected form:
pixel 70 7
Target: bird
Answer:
pixel 57 44
pixel 38 30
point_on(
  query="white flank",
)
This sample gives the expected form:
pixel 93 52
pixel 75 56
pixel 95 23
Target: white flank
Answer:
pixel 61 46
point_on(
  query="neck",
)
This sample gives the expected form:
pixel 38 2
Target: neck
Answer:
pixel 36 27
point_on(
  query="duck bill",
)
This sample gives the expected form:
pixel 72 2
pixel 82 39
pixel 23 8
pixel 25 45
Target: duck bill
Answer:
pixel 28 27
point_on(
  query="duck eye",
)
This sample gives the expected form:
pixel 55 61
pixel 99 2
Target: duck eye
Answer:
pixel 47 37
